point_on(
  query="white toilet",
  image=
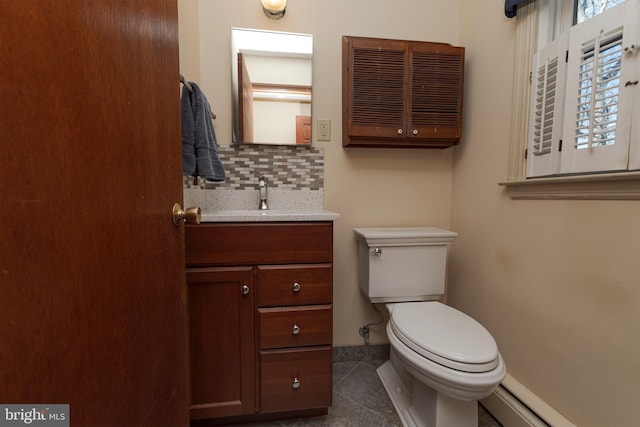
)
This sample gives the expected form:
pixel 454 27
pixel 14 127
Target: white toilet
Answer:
pixel 442 361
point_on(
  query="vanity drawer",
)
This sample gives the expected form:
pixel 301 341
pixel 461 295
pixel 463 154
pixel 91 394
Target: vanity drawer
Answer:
pixel 294 379
pixel 258 243
pixel 300 284
pixel 295 326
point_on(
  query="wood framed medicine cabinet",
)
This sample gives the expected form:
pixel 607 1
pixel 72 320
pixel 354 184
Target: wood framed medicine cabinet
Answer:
pixel 399 93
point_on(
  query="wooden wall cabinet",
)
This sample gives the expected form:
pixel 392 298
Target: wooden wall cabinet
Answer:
pixel 261 319
pixel 399 93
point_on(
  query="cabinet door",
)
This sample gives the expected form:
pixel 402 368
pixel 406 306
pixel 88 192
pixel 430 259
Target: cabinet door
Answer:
pixel 437 82
pixel 374 88
pixel 221 314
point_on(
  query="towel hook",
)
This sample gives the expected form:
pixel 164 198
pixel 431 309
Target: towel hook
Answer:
pixel 190 89
pixel 186 83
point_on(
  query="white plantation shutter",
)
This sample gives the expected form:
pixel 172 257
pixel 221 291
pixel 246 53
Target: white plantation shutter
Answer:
pixel 547 107
pixel 634 137
pixel 597 115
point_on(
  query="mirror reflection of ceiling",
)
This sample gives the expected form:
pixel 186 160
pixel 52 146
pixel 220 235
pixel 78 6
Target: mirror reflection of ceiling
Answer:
pixel 271 81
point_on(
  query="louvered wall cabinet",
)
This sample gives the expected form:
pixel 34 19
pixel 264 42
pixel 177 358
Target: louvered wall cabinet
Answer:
pixel 400 93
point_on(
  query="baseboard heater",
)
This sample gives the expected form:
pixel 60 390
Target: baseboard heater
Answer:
pixel 513 405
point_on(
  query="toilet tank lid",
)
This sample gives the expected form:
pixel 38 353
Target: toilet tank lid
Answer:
pixel 405 235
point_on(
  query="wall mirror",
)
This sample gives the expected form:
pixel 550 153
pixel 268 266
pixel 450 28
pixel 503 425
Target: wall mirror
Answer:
pixel 271 81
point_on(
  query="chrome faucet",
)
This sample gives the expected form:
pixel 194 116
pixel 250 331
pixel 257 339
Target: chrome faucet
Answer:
pixel 262 185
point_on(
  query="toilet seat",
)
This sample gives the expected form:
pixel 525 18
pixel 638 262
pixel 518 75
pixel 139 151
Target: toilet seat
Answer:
pixel 444 335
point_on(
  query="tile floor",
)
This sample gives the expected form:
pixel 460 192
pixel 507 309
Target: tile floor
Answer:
pixel 359 400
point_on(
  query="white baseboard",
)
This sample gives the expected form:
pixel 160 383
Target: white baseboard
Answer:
pixel 513 405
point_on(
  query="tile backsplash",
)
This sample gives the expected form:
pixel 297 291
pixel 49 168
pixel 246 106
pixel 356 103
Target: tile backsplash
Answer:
pixel 295 177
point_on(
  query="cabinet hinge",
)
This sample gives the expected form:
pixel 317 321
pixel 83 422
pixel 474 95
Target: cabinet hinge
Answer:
pixel 530 77
pixel 560 146
pixel 566 56
pixel 526 153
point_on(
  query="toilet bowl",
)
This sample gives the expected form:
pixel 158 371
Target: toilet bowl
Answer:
pixel 442 361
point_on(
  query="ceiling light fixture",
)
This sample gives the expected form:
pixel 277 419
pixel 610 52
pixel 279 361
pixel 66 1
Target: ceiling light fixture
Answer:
pixel 274 9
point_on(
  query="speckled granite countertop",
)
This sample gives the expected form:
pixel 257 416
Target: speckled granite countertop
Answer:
pixel 269 216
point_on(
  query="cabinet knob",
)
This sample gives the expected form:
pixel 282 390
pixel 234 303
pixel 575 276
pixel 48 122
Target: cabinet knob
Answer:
pixel 295 330
pixel 296 287
pixel 244 289
pixel 399 131
pixel 415 131
pixel 296 383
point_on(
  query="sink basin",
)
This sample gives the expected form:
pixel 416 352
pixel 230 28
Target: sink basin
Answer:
pixel 256 215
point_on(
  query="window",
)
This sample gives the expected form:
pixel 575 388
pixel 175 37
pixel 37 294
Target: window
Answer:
pixel 587 9
pixel 583 85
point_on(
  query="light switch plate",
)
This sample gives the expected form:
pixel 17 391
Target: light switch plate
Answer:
pixel 324 130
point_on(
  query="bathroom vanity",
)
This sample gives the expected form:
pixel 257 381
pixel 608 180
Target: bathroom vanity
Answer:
pixel 260 289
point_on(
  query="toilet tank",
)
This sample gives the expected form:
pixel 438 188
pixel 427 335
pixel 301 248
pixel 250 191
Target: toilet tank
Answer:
pixel 402 264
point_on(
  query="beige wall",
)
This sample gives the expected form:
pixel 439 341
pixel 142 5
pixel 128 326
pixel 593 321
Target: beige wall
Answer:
pixel 567 328
pixel 556 282
pixel 368 187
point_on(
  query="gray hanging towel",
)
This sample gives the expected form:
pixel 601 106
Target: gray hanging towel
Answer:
pixel 199 143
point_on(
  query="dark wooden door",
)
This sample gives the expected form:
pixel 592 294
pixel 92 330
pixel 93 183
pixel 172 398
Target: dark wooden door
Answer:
pixel 245 102
pixel 92 286
pixel 303 129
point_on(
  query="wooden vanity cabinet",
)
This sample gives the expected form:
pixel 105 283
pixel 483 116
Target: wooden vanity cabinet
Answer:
pixel 399 93
pixel 260 304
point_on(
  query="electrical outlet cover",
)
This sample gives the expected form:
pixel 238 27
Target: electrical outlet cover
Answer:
pixel 324 130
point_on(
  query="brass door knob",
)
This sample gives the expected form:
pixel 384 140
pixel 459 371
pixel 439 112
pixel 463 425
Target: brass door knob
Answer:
pixel 190 215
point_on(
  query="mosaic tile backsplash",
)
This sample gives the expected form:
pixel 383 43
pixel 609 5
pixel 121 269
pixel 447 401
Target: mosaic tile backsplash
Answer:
pixel 295 177
pixel 285 167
